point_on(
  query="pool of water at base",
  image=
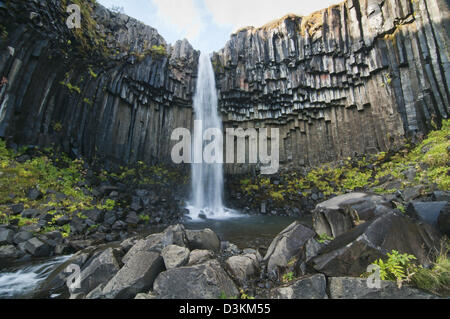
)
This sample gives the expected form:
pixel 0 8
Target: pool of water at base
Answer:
pixel 21 280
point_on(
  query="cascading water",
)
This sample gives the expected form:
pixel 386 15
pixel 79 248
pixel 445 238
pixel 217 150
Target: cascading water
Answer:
pixel 207 179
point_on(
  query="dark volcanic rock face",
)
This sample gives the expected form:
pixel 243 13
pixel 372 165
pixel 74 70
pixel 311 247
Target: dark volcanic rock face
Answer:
pixel 357 77
pixel 115 91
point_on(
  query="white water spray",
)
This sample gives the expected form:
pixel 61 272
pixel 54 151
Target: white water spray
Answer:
pixel 207 179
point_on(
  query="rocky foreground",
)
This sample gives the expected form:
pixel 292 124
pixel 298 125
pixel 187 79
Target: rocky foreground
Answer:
pixel 192 264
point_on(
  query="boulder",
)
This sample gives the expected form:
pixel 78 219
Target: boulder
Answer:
pixel 63 220
pixel 17 209
pixel 175 256
pixel 136 276
pixel 286 246
pixel 204 281
pixel 97 216
pixel 37 248
pixel 340 214
pixel 203 239
pixel 357 288
pixel 429 212
pixel 22 236
pixel 411 193
pixel 30 213
pixel 351 253
pixel 78 225
pixel 312 287
pixel 10 252
pixel 34 194
pixel 100 269
pixel 200 256
pixel 443 221
pixel 6 236
pixel 132 219
pixel 243 268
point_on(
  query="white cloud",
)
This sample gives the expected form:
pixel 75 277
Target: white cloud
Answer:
pixel 241 13
pixel 183 14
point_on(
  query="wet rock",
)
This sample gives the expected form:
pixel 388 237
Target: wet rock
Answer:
pixel 426 211
pixel 351 253
pixel 6 236
pixel 313 287
pixel 100 269
pixel 286 246
pixel 38 248
pixel 175 256
pixel 340 214
pixel 243 268
pixel 357 288
pixel 199 256
pixel 203 239
pixel 205 281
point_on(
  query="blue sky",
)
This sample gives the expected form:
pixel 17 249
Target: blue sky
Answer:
pixel 208 24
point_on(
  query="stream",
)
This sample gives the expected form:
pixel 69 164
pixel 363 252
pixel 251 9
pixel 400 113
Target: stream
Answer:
pixel 21 281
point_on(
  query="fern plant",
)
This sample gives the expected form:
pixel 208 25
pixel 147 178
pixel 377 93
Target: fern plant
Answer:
pixel 398 267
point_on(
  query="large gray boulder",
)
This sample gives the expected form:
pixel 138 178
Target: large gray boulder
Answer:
pixel 203 239
pixel 199 256
pixel 443 222
pixel 136 276
pixel 243 268
pixel 6 236
pixel 340 214
pixel 357 288
pixel 37 248
pixel 100 269
pixel 429 212
pixel 312 287
pixel 351 253
pixel 204 281
pixel 287 245
pixel 175 256
pixel 10 252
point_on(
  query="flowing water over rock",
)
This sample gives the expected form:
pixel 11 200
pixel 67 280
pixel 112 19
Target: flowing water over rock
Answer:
pixel 207 179
pixel 22 282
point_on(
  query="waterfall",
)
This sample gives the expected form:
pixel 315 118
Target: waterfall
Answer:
pixel 207 179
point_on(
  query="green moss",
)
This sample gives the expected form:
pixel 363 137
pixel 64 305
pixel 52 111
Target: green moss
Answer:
pixel 72 88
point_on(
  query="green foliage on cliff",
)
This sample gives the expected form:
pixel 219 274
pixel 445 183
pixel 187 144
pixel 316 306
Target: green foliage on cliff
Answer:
pixel 51 174
pixel 88 37
pixel 429 162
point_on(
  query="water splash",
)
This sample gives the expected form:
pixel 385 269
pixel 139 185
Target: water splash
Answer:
pixel 207 179
pixel 17 284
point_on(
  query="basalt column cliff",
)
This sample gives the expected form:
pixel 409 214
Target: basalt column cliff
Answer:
pixel 358 77
pixel 113 89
